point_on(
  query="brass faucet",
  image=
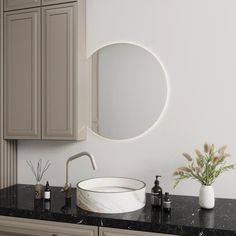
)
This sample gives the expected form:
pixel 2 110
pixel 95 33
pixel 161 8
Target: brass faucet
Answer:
pixel 67 187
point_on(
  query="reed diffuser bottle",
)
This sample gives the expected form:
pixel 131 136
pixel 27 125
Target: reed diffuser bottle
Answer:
pixel 38 173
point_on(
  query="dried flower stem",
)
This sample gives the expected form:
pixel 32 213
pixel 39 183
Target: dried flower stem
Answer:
pixel 206 167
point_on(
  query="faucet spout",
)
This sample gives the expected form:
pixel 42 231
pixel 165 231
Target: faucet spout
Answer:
pixel 67 187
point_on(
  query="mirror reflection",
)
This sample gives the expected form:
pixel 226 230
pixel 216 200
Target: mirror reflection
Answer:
pixel 129 91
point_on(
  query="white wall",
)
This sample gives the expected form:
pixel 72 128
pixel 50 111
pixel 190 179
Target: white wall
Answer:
pixel 195 39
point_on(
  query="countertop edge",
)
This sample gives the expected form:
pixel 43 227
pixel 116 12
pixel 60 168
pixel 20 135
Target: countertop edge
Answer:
pixel 119 224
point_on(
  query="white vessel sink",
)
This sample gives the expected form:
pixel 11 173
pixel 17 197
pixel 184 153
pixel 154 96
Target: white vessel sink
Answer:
pixel 111 195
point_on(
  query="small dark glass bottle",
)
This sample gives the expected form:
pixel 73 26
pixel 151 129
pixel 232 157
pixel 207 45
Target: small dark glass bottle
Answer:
pixel 47 192
pixel 156 194
pixel 167 202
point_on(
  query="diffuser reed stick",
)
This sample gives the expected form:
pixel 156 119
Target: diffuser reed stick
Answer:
pixel 40 170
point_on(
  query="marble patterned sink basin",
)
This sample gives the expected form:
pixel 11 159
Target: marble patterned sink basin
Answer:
pixel 111 195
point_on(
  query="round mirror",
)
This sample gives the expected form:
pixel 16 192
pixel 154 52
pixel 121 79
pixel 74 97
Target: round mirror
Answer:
pixel 129 90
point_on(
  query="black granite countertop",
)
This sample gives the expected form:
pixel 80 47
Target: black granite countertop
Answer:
pixel 185 218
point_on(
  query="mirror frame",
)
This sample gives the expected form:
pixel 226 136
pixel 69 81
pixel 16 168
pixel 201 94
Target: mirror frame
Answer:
pixel 94 67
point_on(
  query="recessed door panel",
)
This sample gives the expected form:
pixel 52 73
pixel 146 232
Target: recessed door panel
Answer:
pixel 22 75
pixel 59 72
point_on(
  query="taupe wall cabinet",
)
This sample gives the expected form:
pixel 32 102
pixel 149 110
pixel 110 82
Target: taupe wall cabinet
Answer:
pixel 10 5
pixel 8 148
pixel 22 74
pixel 23 227
pixel 20 4
pixel 46 82
pixel 59 71
pixel 50 2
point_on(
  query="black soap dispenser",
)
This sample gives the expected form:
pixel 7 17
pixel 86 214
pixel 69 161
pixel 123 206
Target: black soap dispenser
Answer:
pixel 156 194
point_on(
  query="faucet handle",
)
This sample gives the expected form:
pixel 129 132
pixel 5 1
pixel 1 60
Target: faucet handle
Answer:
pixel 66 187
pixel 67 190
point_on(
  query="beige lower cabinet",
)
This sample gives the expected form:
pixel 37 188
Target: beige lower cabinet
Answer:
pixel 122 232
pixel 10 226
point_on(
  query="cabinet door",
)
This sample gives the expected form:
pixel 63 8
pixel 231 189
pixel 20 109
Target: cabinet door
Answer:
pixel 22 74
pixel 11 226
pixel 51 2
pixel 122 232
pixel 20 4
pixel 59 76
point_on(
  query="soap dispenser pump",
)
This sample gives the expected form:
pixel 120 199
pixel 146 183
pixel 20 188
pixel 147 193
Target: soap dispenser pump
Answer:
pixel 156 194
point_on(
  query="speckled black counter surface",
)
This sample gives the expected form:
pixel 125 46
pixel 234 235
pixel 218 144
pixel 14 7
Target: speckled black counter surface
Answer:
pixel 185 218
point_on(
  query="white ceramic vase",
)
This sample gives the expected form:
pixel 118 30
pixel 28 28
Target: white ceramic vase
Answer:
pixel 206 197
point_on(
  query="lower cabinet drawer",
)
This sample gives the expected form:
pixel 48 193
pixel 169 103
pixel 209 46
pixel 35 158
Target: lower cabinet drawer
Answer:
pixel 11 226
pixel 122 232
